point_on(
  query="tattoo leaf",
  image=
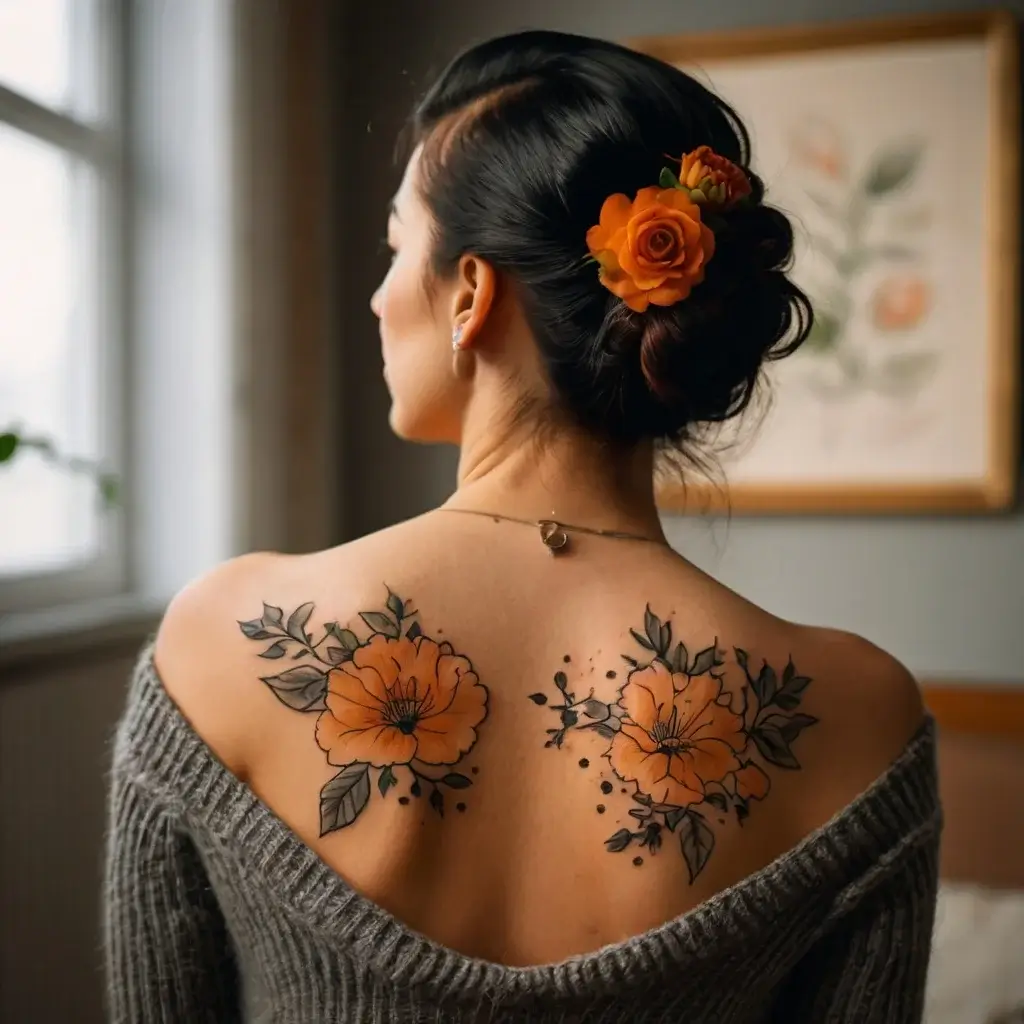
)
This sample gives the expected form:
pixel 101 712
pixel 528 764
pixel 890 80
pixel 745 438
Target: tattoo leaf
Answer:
pixel 718 801
pixel 396 606
pixel 297 621
pixel 642 641
pixel 380 623
pixel 345 637
pixel 273 616
pixel 680 658
pixel 338 655
pixel 275 650
pixel 561 681
pixel 618 842
pixel 665 639
pixel 742 810
pixel 606 729
pixel 793 725
pixel 437 801
pixel 697 841
pixel 386 780
pixel 673 818
pixel 652 627
pixel 344 797
pixel 414 631
pixel 632 662
pixel 538 698
pixel 643 798
pixel 457 781
pixel 765 684
pixel 772 744
pixel 704 661
pixel 254 630
pixel 640 813
pixel 788 672
pixel 302 688
pixel 596 709
pixel 415 789
pixel 569 719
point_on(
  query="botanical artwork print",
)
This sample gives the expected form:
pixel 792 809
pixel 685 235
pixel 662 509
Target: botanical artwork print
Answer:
pixel 687 748
pixel 395 709
pixel 870 234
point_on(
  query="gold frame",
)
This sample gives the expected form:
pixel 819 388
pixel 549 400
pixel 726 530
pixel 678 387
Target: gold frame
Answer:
pixel 998 490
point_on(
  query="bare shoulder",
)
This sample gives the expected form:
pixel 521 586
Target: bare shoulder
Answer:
pixel 199 648
pixel 869 706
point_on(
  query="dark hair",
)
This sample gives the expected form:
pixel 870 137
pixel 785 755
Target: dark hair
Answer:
pixel 524 137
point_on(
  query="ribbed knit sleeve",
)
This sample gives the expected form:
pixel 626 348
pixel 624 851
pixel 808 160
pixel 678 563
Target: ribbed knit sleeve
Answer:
pixel 871 967
pixel 168 955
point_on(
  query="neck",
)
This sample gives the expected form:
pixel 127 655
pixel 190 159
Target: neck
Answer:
pixel 569 476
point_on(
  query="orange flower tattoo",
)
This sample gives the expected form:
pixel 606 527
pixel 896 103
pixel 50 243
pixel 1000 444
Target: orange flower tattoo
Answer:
pixel 401 700
pixel 677 736
pixel 674 736
pixel 397 700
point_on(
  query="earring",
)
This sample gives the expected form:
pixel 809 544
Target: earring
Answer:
pixel 457 337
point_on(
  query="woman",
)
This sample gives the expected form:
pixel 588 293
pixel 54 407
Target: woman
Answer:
pixel 517 759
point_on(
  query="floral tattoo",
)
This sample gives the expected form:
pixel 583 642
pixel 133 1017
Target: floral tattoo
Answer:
pixel 675 736
pixel 398 702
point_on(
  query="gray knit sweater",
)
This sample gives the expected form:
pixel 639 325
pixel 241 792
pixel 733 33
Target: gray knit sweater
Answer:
pixel 216 911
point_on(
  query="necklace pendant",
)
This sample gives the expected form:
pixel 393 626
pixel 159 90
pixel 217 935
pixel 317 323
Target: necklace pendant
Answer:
pixel 553 536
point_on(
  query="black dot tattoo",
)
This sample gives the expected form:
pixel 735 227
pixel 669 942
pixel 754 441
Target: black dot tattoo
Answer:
pixel 460 806
pixel 610 674
pixel 566 658
pixel 403 800
pixel 600 808
pixel 475 770
pixel 637 861
pixel 606 787
pixel 584 763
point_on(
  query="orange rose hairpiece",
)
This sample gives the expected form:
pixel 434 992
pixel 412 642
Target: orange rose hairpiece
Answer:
pixel 655 248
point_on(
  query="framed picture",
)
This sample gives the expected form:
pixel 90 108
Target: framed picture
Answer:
pixel 893 146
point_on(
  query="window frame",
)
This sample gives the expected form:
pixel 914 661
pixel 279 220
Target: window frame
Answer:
pixel 104 146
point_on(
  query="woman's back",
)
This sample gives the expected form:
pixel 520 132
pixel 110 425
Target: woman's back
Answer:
pixel 516 857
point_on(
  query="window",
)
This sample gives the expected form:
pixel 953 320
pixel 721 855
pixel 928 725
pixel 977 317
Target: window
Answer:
pixel 118 194
pixel 61 279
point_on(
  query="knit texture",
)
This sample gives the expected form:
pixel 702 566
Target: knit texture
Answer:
pixel 216 912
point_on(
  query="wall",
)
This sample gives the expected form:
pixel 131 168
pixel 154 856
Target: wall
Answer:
pixel 944 594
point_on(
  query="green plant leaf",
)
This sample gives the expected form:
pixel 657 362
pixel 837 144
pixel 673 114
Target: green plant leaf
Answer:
pixel 668 179
pixel 893 168
pixel 9 442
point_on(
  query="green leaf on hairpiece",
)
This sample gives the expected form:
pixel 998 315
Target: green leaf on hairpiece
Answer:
pixel 668 179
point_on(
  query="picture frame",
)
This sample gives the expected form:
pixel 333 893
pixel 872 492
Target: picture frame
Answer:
pixel 898 403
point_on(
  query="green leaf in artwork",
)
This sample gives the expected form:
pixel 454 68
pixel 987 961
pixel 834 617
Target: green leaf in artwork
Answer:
pixel 380 623
pixel 826 330
pixel 893 168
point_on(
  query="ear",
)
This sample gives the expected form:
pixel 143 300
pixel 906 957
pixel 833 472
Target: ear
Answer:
pixel 474 297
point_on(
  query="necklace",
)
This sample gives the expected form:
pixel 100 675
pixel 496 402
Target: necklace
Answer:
pixel 553 534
